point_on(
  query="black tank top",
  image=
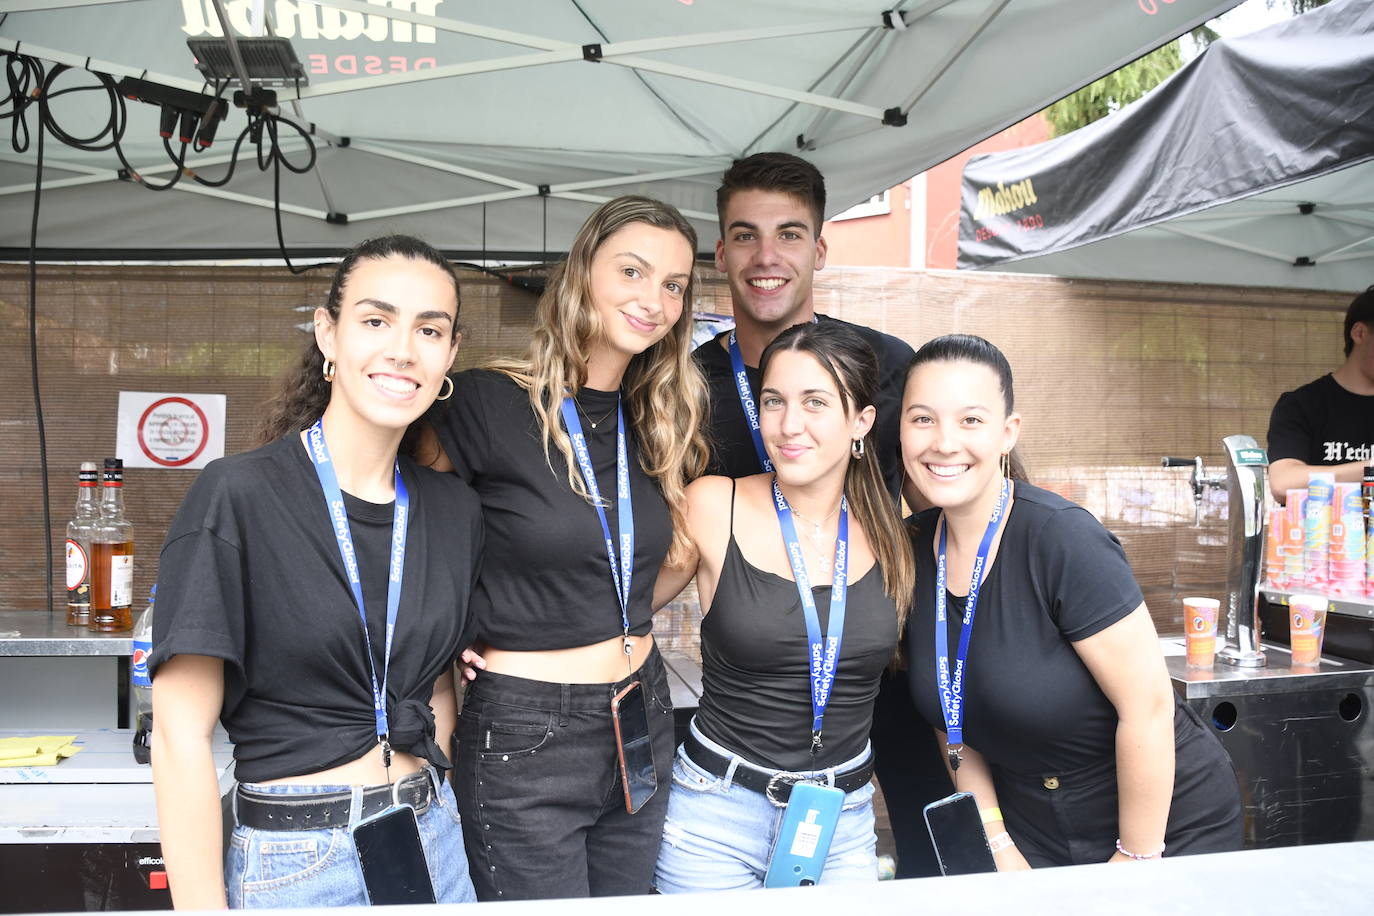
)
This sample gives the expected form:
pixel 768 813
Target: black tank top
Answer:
pixel 756 693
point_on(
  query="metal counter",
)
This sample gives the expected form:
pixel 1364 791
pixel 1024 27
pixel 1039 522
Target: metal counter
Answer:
pixel 1300 739
pixel 38 633
pixel 84 832
pixel 55 675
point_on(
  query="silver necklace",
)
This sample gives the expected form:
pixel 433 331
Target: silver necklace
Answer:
pixel 594 423
pixel 817 537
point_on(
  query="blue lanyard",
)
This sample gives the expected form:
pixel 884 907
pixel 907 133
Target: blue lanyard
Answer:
pixel 746 401
pixel 951 688
pixel 338 519
pixel 623 571
pixel 824 655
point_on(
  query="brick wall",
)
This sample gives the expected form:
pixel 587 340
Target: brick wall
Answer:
pixel 1109 376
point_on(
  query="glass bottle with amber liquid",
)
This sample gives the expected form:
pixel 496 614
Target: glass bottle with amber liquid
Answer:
pixel 112 557
pixel 80 531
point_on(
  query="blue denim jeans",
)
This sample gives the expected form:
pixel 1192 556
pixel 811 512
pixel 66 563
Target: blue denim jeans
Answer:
pixel 719 836
pixel 319 868
pixel 539 785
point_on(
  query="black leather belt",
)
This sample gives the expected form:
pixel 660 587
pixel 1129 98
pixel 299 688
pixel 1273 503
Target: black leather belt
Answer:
pixel 776 785
pixel 327 809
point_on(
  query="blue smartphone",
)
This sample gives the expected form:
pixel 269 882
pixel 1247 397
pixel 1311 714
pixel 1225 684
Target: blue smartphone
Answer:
pixel 808 826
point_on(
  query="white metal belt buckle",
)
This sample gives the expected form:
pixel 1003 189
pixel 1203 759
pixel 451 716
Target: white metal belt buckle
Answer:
pixel 786 779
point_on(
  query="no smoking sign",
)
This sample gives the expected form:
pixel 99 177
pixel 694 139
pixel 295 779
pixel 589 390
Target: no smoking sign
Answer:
pixel 170 430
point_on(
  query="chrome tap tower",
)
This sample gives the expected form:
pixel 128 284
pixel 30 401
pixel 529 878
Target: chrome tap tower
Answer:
pixel 1248 488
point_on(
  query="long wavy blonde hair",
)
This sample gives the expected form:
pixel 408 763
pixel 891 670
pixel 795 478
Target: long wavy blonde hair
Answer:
pixel 665 395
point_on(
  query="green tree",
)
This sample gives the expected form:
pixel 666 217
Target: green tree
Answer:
pixel 1122 87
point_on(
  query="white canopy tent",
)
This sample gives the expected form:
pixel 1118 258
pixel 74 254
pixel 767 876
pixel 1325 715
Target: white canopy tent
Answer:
pixel 495 126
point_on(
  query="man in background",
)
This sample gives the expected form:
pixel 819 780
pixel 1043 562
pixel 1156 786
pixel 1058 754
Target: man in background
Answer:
pixel 1328 424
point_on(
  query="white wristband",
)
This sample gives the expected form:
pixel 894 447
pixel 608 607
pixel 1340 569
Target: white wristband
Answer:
pixel 1000 842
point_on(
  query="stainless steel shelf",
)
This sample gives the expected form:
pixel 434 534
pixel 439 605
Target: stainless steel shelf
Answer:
pixel 1279 676
pixel 39 634
pixel 1340 604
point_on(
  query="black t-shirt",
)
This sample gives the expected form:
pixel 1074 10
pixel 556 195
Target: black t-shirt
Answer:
pixel 546 581
pixel 1322 423
pixel 756 683
pixel 1031 706
pixel 251 573
pixel 732 444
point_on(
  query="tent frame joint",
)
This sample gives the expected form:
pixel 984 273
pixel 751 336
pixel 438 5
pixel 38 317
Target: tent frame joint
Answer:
pixel 592 53
pixel 894 117
pixel 335 218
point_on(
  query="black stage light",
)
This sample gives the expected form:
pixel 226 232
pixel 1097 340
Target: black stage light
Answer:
pixel 269 61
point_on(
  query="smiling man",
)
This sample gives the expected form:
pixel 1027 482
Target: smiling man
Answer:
pixel 771 208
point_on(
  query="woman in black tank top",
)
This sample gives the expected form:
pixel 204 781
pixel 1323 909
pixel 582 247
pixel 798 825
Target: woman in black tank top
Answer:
pixel 761 728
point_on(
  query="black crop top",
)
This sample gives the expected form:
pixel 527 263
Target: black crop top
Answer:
pixel 756 686
pixel 1031 705
pixel 250 573
pixel 546 581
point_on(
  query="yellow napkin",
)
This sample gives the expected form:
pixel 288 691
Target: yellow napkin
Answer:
pixel 36 751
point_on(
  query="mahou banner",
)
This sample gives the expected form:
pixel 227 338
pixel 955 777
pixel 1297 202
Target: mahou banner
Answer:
pixel 1254 113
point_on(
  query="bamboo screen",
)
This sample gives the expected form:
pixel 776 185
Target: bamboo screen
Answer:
pixel 1109 377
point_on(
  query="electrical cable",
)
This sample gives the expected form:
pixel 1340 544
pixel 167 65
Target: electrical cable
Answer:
pixel 29 83
pixel 33 366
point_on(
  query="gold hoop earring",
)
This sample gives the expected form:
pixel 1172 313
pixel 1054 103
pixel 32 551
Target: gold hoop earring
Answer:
pixel 1006 464
pixel 328 369
pixel 445 397
pixel 856 449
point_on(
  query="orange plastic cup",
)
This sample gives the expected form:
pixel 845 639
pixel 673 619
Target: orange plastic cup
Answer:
pixel 1200 630
pixel 1306 627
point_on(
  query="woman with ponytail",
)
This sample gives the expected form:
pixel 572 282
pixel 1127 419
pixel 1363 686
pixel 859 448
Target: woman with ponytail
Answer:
pixel 804 575
pixel 312 597
pixel 1066 729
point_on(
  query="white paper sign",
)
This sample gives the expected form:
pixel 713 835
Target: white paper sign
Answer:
pixel 169 430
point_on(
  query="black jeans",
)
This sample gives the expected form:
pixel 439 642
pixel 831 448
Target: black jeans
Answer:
pixel 1071 818
pixel 540 793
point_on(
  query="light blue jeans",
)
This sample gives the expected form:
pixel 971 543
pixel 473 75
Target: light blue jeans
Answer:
pixel 319 868
pixel 719 836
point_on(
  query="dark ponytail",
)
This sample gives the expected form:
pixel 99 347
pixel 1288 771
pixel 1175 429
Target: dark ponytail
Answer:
pixel 303 393
pixel 969 348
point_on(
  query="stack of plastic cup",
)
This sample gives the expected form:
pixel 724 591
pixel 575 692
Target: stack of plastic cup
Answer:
pixel 1276 547
pixel 1347 569
pixel 1321 487
pixel 1293 559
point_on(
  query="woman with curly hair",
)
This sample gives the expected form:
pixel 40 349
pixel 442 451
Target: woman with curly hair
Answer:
pixel 580 453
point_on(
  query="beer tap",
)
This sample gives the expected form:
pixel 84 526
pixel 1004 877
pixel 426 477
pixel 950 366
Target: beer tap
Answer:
pixel 1199 481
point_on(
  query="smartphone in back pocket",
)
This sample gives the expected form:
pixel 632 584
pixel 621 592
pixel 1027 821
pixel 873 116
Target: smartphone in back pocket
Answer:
pixel 956 829
pixel 392 858
pixel 804 838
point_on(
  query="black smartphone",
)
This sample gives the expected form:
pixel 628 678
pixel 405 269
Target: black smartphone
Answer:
pixel 956 830
pixel 392 858
pixel 634 748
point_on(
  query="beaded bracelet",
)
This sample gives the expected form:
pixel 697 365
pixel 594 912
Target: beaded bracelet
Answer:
pixel 990 814
pixel 1138 856
pixel 1000 842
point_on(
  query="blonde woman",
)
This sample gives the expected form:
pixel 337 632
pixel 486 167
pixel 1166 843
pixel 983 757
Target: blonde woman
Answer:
pixel 564 596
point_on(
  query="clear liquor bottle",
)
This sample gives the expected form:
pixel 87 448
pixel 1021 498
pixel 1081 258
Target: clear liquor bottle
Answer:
pixel 80 531
pixel 112 557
